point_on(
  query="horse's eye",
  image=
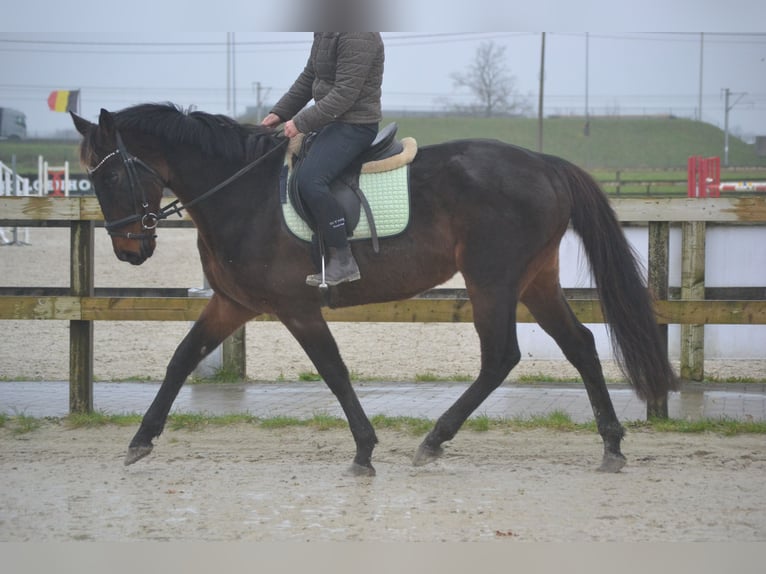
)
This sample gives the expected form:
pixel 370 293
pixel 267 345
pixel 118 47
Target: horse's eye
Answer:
pixel 112 178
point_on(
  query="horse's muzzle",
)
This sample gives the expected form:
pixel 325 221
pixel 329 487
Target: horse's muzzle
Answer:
pixel 126 250
pixel 131 257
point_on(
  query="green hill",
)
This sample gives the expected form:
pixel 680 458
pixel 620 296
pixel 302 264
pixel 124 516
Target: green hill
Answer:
pixel 614 143
pixel 55 152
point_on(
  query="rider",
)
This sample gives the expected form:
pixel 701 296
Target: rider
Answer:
pixel 343 75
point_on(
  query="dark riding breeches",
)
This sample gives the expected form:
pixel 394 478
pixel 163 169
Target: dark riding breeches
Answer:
pixel 333 149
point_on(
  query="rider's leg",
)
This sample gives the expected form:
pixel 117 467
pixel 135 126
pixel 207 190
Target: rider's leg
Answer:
pixel 332 150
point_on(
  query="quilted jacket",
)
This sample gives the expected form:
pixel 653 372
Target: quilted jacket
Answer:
pixel 343 75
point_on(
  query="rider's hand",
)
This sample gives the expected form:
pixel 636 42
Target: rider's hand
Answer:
pixel 271 121
pixel 290 130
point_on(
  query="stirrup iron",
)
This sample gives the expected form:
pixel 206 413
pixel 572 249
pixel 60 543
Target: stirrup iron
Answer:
pixel 323 285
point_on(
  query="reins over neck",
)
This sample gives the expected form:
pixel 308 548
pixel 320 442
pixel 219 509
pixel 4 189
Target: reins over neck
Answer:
pixel 174 207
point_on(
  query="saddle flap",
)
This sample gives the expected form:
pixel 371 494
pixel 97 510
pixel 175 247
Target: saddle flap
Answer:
pixel 385 154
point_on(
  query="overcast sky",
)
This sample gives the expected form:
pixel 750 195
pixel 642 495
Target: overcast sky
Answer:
pixel 627 72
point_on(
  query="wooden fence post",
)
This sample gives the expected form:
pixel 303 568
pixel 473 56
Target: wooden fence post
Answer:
pixel 235 354
pixel 659 241
pixel 693 287
pixel 81 332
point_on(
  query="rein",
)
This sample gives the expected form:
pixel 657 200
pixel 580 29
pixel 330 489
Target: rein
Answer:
pixel 149 220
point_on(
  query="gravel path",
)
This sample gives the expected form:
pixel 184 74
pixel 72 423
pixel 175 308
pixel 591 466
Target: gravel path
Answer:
pixel 241 482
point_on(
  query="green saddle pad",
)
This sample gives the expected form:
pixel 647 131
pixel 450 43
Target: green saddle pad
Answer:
pixel 389 199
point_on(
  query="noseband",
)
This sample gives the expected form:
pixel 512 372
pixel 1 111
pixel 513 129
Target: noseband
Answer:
pixel 149 220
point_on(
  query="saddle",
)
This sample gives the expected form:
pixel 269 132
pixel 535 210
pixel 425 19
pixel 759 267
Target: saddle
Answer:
pixel 385 153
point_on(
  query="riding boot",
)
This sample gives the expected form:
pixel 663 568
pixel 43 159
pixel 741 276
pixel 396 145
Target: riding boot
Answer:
pixel 341 268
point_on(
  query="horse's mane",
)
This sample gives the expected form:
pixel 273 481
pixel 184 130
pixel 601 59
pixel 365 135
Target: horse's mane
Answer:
pixel 215 135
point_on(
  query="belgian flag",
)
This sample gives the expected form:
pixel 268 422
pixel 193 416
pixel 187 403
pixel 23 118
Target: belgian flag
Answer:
pixel 64 100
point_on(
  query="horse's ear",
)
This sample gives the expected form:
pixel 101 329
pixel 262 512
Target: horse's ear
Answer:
pixel 106 123
pixel 81 124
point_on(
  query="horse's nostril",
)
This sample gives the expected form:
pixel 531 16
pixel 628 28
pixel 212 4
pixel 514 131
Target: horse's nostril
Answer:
pixel 131 257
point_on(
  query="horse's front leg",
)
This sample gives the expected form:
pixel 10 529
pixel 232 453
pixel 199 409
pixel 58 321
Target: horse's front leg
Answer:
pixel 220 318
pixel 310 330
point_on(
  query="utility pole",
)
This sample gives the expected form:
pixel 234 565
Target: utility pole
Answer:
pixel 727 109
pixel 540 100
pixel 228 71
pixel 231 79
pixel 259 91
pixel 702 48
pixel 586 130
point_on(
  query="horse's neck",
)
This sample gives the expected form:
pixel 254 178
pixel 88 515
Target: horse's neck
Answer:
pixel 246 198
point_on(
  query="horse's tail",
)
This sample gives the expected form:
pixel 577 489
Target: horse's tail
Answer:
pixel 625 301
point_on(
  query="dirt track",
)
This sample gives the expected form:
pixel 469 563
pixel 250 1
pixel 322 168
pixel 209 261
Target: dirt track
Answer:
pixel 241 482
pixel 246 483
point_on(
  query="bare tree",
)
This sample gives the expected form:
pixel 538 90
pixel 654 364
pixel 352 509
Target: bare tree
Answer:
pixel 489 78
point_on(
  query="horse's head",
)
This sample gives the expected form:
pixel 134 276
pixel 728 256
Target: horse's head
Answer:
pixel 128 189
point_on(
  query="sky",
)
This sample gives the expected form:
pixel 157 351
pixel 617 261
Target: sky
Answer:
pixel 622 71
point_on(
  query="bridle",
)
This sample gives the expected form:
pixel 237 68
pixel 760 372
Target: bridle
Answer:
pixel 149 219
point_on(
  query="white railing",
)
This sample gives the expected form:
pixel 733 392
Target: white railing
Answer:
pixel 12 184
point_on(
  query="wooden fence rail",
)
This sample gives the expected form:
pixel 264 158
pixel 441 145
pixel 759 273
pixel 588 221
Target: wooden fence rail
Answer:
pixel 81 306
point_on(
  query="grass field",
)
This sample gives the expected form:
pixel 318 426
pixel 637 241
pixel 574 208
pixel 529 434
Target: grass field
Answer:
pixel 646 149
pixel 614 142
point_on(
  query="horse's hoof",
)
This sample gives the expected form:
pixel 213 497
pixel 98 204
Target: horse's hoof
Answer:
pixel 612 462
pixel 426 455
pixel 357 469
pixel 136 453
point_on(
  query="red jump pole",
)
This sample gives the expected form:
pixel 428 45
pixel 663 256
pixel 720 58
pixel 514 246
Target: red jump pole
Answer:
pixel 691 177
pixel 703 176
pixel 713 179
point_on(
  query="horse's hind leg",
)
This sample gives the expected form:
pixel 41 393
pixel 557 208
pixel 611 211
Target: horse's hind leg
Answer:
pixel 545 300
pixel 495 322
pixel 310 330
pixel 220 318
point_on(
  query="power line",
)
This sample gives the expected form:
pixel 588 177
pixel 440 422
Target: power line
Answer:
pixel 684 37
pixel 438 37
pixel 33 46
pixel 394 40
pixel 197 48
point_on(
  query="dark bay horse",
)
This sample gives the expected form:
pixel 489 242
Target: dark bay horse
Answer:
pixel 492 211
